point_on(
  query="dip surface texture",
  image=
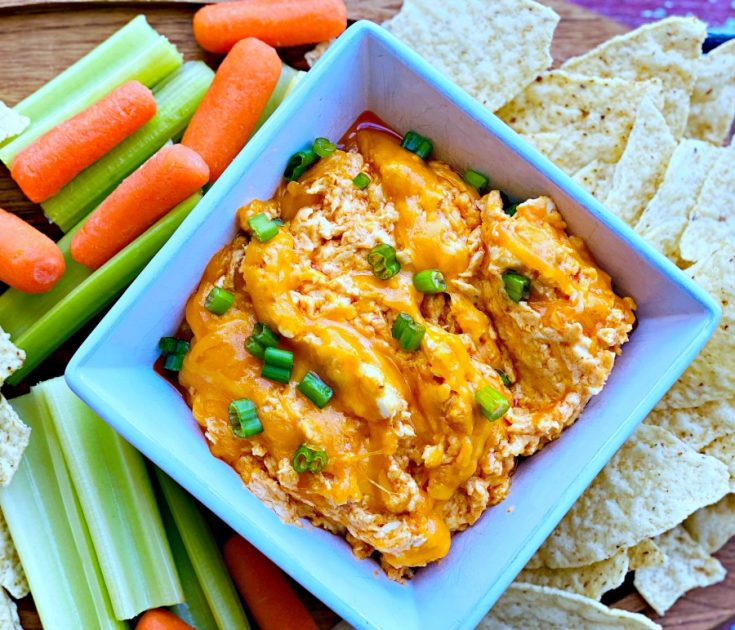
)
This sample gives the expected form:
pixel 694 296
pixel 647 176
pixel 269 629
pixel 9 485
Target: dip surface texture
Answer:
pixel 411 458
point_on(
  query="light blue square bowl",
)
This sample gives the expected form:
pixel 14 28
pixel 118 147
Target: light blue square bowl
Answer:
pixel 368 69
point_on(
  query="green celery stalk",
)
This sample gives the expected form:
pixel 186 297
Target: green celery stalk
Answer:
pixel 117 497
pixel 283 87
pixel 195 610
pixel 41 323
pixel 177 98
pixel 50 533
pixel 136 51
pixel 204 555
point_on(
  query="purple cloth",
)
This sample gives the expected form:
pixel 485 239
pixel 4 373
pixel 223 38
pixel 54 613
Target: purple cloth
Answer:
pixel 720 14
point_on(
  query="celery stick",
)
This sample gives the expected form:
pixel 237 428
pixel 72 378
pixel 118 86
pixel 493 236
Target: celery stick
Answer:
pixel 205 556
pixel 278 94
pixel 136 51
pixel 177 98
pixel 117 497
pixel 50 533
pixel 41 323
pixel 195 610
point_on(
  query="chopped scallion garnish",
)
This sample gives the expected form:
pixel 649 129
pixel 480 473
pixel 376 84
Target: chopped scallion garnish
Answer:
pixel 174 362
pixel 278 358
pixel 244 418
pixel 172 345
pixel 382 258
pixel 323 147
pixel 517 286
pixel 299 163
pixel 491 402
pixel 264 229
pixel 362 180
pixel 429 281
pixel 218 301
pixel 275 373
pixel 408 332
pixel 315 389
pixel 307 459
pixel 265 336
pixel 504 378
pixel 255 348
pixel 477 180
pixel 418 144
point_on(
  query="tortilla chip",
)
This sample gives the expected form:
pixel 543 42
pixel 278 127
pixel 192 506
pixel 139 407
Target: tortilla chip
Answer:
pixel 644 555
pixel 712 374
pixel 12 577
pixel 641 169
pixel 697 426
pixel 714 525
pixel 531 606
pixel 592 581
pixel 544 141
pixel 596 177
pixel 491 48
pixel 713 100
pixel 8 613
pixel 687 566
pixel 316 53
pixel 713 219
pixel 593 116
pixel 665 217
pixel 652 484
pixel 669 50
pixel 11 124
pixel 11 358
pixel 724 449
pixel 14 436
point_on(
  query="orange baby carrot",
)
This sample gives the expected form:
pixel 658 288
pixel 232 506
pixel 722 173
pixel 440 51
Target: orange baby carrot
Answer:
pixel 217 27
pixel 46 165
pixel 270 598
pixel 161 619
pixel 29 260
pixel 229 110
pixel 166 179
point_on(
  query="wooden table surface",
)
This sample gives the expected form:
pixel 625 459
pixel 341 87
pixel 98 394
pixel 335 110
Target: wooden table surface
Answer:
pixel 38 39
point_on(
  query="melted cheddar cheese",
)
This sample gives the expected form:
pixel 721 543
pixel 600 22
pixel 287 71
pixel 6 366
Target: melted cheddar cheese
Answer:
pixel 411 459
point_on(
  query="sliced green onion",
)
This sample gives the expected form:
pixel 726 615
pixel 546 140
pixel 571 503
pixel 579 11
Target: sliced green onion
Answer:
pixel 382 258
pixel 112 481
pixel 136 51
pixel 429 281
pixel 309 459
pixel 315 389
pixel 177 98
pixel 299 163
pixel 504 378
pixel 278 221
pixel 172 345
pixel 408 332
pixel 265 336
pixel 255 348
pixel 275 373
pixel 264 229
pixel 418 144
pixel 477 180
pixel 219 300
pixel 511 210
pixel 279 358
pixel 174 362
pixel 39 323
pixel 517 286
pixel 362 180
pixel 491 402
pixel 244 418
pixel 323 147
pixel 49 530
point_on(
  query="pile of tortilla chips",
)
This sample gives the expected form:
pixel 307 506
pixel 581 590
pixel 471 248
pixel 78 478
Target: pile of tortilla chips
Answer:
pixel 14 436
pixel 640 121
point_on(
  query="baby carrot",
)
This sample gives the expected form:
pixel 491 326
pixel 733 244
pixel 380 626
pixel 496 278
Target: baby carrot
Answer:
pixel 46 165
pixel 231 107
pixel 29 260
pixel 166 179
pixel 161 619
pixel 217 27
pixel 270 598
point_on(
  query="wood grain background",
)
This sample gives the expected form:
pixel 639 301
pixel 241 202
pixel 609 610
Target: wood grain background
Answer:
pixel 39 39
